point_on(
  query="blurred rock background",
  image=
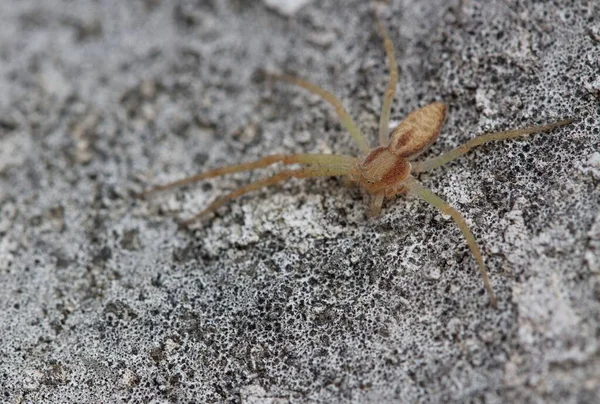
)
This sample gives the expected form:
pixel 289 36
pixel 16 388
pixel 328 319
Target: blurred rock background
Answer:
pixel 291 294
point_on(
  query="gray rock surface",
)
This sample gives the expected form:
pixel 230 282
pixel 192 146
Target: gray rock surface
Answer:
pixel 290 294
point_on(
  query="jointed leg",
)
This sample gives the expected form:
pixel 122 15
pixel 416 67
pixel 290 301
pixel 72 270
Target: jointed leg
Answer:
pixel 310 159
pixel 375 205
pixel 282 176
pixel 343 115
pixel 419 190
pixel 390 90
pixel 479 140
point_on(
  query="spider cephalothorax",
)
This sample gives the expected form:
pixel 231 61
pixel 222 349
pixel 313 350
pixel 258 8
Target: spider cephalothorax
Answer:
pixel 384 171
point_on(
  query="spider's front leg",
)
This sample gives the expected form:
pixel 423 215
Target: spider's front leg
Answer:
pixel 479 140
pixel 375 205
pixel 390 90
pixel 343 115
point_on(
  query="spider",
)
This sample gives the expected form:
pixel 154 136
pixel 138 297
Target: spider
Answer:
pixel 384 171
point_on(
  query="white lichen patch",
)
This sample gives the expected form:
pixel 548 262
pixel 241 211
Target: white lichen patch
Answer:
pixel 592 166
pixel 593 86
pixel 53 82
pixel 286 7
pixel 242 236
pixel 129 378
pixel 458 193
pixel 14 150
pixel 297 225
pixel 308 219
pixel 515 244
pixel 7 214
pixel 592 256
pixel 485 101
pixel 255 394
pixel 7 249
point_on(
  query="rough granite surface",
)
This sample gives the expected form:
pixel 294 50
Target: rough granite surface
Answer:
pixel 290 294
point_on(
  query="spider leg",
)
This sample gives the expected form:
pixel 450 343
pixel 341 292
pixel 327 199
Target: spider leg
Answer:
pixel 390 90
pixel 324 171
pixel 375 205
pixel 345 118
pixel 479 140
pixel 428 196
pixel 310 159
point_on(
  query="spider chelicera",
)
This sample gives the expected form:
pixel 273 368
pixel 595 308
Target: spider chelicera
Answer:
pixel 384 171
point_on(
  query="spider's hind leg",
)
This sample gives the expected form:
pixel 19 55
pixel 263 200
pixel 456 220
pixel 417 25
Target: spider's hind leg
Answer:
pixel 309 159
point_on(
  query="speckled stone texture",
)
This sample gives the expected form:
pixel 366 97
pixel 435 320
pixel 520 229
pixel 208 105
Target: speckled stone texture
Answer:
pixel 290 294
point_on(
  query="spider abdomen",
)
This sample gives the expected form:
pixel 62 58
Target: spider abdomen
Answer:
pixel 419 130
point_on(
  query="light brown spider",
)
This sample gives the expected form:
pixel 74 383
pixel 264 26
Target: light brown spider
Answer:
pixel 385 171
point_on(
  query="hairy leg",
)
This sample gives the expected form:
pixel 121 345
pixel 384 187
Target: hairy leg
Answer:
pixel 325 171
pixel 310 159
pixel 375 205
pixel 479 140
pixel 343 115
pixel 390 90
pixel 428 196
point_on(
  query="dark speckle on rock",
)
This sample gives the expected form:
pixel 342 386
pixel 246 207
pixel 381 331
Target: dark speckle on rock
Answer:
pixel 103 255
pixel 290 294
